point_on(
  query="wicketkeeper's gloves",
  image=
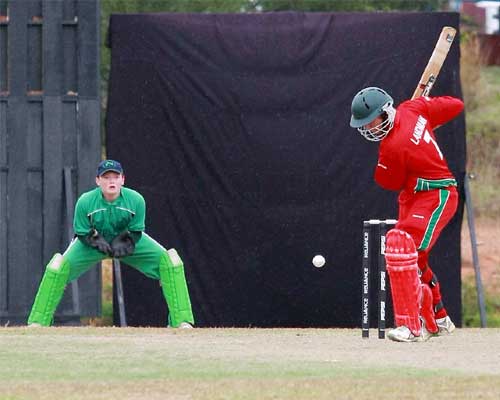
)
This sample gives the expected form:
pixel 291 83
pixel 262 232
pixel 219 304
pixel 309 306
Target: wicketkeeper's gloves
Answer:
pixel 96 240
pixel 123 245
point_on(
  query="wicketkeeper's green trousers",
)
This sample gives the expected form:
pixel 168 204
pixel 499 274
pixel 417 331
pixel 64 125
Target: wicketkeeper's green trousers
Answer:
pixel 149 257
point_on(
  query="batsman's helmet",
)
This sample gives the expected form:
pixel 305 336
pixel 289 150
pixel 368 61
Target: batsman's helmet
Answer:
pixel 368 104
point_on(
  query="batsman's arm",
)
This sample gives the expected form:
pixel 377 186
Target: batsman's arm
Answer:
pixel 442 109
pixel 390 172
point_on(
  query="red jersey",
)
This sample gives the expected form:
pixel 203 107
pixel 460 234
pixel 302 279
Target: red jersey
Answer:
pixel 410 151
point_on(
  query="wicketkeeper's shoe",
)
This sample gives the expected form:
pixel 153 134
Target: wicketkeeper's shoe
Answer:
pixel 445 325
pixel 183 325
pixel 403 334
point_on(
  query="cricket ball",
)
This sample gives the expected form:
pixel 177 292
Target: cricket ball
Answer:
pixel 318 261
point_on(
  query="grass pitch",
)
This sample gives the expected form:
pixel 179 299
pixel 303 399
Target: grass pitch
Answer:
pixel 151 363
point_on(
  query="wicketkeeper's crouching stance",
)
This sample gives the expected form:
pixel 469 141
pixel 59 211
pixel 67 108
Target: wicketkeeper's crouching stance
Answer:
pixel 109 222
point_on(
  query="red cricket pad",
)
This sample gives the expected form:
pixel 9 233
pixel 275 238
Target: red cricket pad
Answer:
pixel 427 309
pixel 401 259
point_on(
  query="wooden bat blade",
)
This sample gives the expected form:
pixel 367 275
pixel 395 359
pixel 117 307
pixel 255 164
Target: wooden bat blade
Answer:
pixel 436 61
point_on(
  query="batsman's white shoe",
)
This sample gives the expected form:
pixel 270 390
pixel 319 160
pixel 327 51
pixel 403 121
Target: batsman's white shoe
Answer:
pixel 445 325
pixel 425 334
pixel 403 334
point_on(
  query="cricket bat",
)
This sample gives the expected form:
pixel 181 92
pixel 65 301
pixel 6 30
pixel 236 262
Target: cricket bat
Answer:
pixel 435 63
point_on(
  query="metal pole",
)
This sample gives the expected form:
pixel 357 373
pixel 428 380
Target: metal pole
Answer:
pixel 68 191
pixel 475 257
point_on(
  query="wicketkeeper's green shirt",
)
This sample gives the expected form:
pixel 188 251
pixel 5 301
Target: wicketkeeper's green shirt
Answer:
pixel 93 211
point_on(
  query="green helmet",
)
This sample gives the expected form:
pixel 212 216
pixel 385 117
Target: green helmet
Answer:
pixel 367 105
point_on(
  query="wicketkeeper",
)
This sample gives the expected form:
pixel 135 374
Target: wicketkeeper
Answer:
pixel 109 222
pixel 411 162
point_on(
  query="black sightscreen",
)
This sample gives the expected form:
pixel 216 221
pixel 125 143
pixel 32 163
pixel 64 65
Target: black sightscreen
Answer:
pixel 235 128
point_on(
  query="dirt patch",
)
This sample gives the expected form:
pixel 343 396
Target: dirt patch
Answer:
pixel 488 246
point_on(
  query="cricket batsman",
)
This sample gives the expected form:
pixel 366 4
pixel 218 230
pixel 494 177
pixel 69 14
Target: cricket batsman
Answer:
pixel 411 162
pixel 109 222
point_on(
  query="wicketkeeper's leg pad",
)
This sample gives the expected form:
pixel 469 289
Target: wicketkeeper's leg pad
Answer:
pixel 401 259
pixel 50 291
pixel 175 290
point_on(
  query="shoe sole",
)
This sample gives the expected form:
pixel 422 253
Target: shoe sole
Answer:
pixel 401 340
pixel 444 332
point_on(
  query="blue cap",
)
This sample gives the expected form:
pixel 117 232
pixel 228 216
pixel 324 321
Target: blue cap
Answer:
pixel 109 165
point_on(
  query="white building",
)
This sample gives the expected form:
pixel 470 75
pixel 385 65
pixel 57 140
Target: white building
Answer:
pixel 485 13
pixel 492 11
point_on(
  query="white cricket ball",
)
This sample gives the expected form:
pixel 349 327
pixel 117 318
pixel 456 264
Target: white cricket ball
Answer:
pixel 318 261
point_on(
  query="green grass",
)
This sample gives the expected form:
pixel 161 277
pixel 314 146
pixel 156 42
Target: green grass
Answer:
pixel 132 363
